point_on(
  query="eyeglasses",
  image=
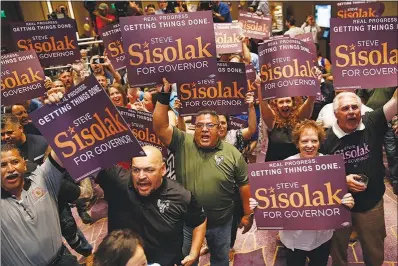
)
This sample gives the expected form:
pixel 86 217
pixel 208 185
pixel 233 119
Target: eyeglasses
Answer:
pixel 209 125
pixel 8 133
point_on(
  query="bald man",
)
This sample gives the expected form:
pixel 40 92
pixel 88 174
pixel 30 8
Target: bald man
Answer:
pixel 155 207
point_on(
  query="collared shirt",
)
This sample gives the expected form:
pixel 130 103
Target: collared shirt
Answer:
pixel 30 229
pixel 158 218
pixel 210 174
pixel 313 29
pixel 363 154
pixel 327 117
pixel 304 239
pixel 293 31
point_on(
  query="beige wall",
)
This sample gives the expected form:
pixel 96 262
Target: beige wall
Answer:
pixel 34 11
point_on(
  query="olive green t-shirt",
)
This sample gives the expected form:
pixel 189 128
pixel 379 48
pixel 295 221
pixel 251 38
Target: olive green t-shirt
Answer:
pixel 209 174
pixel 376 98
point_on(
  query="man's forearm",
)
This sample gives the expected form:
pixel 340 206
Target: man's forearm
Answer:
pixel 198 236
pixel 390 108
pixel 244 192
pixel 115 74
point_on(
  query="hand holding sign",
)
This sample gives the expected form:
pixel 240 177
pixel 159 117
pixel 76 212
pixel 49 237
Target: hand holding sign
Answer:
pixel 246 222
pixel 249 99
pixel 348 200
pixel 165 88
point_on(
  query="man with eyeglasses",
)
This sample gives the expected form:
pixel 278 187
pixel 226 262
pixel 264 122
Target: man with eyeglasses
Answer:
pixel 144 200
pixel 310 26
pixel 360 140
pixel 209 168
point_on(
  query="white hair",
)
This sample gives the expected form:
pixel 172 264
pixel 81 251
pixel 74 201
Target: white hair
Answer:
pixel 336 104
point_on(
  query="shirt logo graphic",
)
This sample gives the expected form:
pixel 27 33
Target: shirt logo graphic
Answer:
pixel 219 159
pixel 38 192
pixel 163 205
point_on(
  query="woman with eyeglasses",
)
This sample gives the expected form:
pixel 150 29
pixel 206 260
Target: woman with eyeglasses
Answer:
pixel 302 244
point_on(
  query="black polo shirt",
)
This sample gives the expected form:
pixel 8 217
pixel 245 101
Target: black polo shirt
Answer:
pixel 158 218
pixel 362 151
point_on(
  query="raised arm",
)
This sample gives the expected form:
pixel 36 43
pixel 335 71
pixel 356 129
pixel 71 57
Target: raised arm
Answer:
pixel 161 124
pixel 390 108
pixel 306 109
pixel 248 132
pixel 117 77
pixel 267 114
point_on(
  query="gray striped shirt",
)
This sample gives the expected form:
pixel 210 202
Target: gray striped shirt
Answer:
pixel 30 229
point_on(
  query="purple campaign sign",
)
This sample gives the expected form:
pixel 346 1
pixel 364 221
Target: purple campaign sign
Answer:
pixel 112 38
pixel 236 123
pixel 302 194
pixel 224 93
pixel 360 10
pixel 307 38
pixel 140 123
pixel 287 68
pixel 86 130
pixel 364 52
pixel 255 26
pixel 22 77
pixel 227 37
pixel 251 78
pixel 179 47
pixel 53 40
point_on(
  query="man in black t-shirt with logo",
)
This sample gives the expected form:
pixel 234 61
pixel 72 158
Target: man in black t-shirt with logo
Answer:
pixel 154 207
pixel 359 140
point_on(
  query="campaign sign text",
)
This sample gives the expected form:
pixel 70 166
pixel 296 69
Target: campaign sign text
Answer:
pixel 227 37
pixel 254 26
pixel 224 93
pixel 140 123
pixel 237 123
pixel 287 68
pixel 364 52
pixel 112 38
pixel 301 194
pixel 360 10
pixel 86 130
pixel 53 40
pixel 179 47
pixel 22 77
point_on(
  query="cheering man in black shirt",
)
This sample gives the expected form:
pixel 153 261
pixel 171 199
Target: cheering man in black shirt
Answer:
pixel 153 206
pixel 359 140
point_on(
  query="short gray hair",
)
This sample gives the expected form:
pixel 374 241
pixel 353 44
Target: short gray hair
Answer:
pixel 342 95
